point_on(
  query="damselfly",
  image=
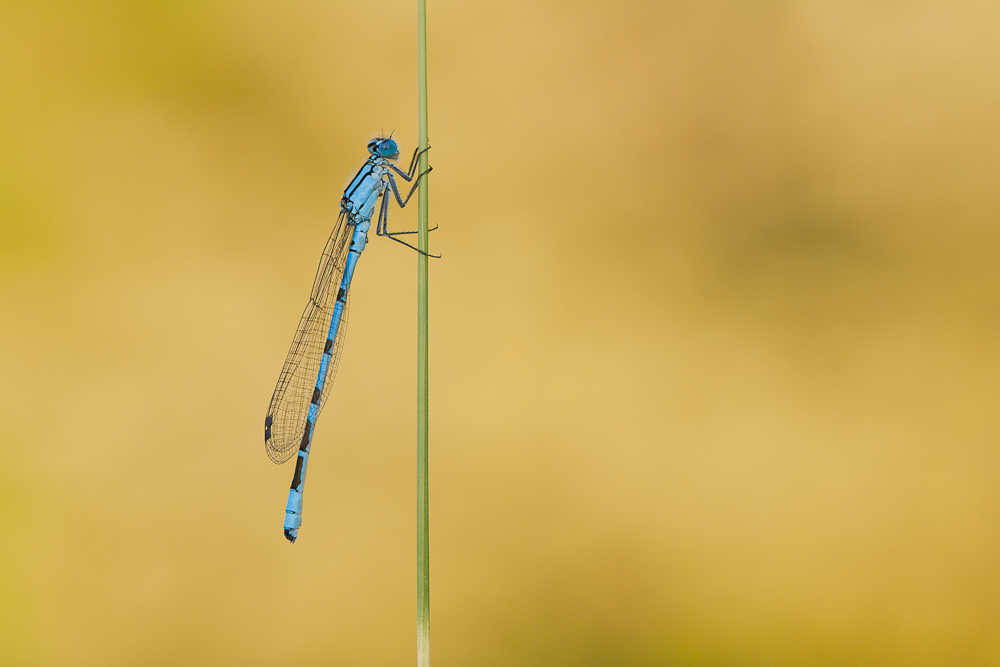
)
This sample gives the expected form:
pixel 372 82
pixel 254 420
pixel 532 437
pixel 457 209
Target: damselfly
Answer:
pixel 311 364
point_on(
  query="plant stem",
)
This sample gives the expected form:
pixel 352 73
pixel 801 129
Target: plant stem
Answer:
pixel 423 536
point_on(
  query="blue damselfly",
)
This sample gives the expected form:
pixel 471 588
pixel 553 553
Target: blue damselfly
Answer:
pixel 311 364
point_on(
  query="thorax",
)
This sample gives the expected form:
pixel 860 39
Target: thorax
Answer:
pixel 363 191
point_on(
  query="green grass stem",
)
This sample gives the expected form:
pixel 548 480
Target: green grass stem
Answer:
pixel 423 536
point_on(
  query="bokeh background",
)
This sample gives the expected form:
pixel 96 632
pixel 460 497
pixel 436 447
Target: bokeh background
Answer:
pixel 714 364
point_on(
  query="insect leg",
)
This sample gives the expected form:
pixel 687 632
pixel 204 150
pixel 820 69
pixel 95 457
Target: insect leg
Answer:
pixel 383 215
pixel 382 228
pixel 395 190
pixel 413 165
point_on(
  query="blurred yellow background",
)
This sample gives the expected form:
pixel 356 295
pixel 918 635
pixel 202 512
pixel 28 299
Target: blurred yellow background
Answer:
pixel 714 351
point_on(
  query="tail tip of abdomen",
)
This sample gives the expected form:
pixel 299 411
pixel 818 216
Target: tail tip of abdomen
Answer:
pixel 291 535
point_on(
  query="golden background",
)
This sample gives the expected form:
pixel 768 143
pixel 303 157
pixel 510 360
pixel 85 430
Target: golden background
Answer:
pixel 714 352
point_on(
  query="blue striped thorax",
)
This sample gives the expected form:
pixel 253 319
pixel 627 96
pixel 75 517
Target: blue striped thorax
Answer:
pixel 361 195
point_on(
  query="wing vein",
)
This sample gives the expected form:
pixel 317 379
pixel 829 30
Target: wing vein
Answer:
pixel 286 415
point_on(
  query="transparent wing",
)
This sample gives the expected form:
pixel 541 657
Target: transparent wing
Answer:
pixel 286 416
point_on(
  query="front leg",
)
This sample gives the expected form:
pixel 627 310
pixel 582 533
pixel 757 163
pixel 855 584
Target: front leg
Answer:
pixel 413 165
pixel 395 190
